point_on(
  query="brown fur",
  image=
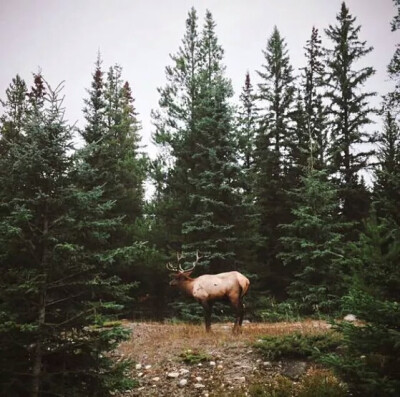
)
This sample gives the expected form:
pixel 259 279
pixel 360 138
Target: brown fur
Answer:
pixel 209 288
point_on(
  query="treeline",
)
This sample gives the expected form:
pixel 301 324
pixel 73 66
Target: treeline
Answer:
pixel 272 186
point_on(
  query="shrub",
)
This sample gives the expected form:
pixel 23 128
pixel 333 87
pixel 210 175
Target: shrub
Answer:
pixel 298 345
pixel 194 357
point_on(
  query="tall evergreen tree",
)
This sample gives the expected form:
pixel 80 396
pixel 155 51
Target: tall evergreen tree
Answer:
pixel 387 184
pixel 313 246
pixel 350 110
pixel 274 141
pixel 195 125
pixel 175 122
pixel 53 283
pixel 111 149
pixel 370 360
pixel 247 125
pixel 313 91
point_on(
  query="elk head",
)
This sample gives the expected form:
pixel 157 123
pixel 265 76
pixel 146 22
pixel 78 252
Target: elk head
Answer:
pixel 179 273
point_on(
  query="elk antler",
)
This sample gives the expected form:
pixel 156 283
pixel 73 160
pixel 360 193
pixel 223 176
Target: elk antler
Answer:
pixel 178 267
pixel 194 263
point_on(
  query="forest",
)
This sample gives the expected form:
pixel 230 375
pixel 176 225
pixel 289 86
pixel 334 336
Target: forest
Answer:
pixel 293 186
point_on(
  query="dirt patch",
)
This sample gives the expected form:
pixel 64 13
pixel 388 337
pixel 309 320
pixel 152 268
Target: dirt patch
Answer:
pixel 230 364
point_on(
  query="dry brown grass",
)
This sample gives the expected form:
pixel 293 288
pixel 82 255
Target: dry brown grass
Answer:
pixel 155 342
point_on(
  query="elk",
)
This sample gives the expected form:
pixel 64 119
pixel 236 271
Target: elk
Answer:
pixel 209 288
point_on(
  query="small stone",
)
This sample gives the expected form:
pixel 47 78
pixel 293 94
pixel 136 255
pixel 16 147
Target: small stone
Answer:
pixel 147 367
pixel 138 366
pixel 184 371
pixel 199 378
pixel 199 364
pixel 198 386
pixel 350 317
pixel 258 360
pixel 183 382
pixel 156 379
pixel 240 379
pixel 140 388
pixel 219 366
pixel 212 363
pixel 173 375
pixel 140 374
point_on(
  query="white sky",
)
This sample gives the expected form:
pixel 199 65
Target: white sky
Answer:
pixel 63 37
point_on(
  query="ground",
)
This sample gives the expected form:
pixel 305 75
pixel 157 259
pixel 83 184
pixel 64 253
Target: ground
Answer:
pixel 230 363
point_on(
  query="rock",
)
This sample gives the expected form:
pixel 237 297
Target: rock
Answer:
pixel 156 379
pixel 199 378
pixel 147 367
pixel 184 371
pixel 350 318
pixel 199 386
pixel 138 366
pixel 199 364
pixel 212 363
pixel 294 369
pixel 240 379
pixel 246 321
pixel 183 382
pixel 173 375
pixel 140 374
pixel 267 363
pixel 219 367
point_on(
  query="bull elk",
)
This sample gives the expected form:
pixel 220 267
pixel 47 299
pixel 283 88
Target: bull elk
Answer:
pixel 209 288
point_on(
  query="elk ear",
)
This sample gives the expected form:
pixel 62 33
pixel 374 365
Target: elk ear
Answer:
pixel 187 274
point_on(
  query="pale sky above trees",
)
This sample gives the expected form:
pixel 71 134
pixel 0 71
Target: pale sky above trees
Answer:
pixel 63 37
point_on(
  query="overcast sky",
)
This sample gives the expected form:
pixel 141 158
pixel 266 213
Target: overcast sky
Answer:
pixel 63 37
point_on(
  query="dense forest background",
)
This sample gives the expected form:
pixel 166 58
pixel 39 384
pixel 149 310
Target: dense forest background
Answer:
pixel 293 186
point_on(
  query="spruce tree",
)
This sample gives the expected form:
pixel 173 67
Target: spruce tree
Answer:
pixel 175 122
pixel 111 150
pixel 313 246
pixel 313 91
pixel 247 125
pixel 387 184
pixel 195 125
pixel 273 144
pixel 53 283
pixel 350 111
pixel 370 362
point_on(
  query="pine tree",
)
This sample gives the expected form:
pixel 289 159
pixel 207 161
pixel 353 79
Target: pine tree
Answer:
pixel 247 125
pixel 370 361
pixel 14 110
pixel 273 144
pixel 53 283
pixel 313 246
pixel 350 110
pixel 195 125
pixel 111 149
pixel 175 122
pixel 387 185
pixel 313 91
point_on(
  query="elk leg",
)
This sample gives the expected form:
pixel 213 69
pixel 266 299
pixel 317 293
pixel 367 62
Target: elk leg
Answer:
pixel 207 314
pixel 239 311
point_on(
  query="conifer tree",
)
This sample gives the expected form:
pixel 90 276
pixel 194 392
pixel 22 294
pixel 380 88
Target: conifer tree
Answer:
pixel 313 91
pixel 387 185
pixel 53 283
pixel 273 144
pixel 313 246
pixel 370 361
pixel 247 125
pixel 111 148
pixel 350 109
pixel 175 122
pixel 195 125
